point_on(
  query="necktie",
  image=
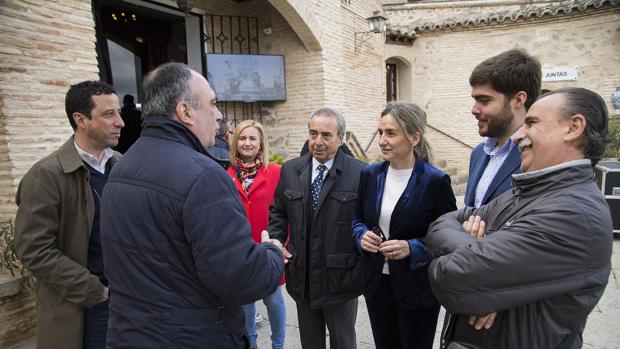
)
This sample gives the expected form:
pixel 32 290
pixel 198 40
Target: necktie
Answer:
pixel 316 185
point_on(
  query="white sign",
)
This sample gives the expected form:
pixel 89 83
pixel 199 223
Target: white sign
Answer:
pixel 560 74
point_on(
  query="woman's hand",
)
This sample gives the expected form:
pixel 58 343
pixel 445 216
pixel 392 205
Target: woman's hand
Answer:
pixel 370 242
pixel 395 249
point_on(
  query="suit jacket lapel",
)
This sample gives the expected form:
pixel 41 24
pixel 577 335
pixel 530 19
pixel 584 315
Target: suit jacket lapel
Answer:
pixel 380 187
pixel 408 194
pixel 475 174
pixel 511 163
pixel 305 176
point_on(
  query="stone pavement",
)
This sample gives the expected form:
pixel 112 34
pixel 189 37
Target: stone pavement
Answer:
pixel 602 329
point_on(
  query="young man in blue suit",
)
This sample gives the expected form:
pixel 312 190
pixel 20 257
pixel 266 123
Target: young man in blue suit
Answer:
pixel 503 87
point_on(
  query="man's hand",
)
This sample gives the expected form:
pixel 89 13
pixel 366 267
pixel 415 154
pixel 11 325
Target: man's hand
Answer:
pixel 264 237
pixel 475 227
pixel 395 249
pixel 483 321
pixel 105 295
pixel 370 242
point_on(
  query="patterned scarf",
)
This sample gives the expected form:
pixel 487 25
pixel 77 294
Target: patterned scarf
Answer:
pixel 247 172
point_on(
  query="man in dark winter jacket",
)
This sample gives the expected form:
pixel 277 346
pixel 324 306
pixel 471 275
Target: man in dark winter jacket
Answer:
pixel 315 200
pixel 537 258
pixel 178 249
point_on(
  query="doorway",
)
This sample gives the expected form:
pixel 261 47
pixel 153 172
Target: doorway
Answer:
pixel 135 36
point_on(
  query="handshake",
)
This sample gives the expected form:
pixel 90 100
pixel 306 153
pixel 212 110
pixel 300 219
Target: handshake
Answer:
pixel 265 238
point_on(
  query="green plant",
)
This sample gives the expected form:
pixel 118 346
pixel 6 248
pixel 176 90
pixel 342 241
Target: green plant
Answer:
pixel 613 148
pixel 277 158
pixel 8 257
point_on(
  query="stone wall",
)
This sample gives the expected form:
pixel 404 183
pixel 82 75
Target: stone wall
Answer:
pixel 17 312
pixel 328 73
pixel 43 49
pixel 443 59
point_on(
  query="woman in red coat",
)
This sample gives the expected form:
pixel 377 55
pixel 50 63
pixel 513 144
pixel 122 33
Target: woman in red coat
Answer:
pixel 256 182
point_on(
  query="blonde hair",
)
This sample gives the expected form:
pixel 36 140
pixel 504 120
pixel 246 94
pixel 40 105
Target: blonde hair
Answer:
pixel 234 153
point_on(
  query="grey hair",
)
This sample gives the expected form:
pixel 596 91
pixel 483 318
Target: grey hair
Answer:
pixel 410 119
pixel 593 108
pixel 164 87
pixel 342 127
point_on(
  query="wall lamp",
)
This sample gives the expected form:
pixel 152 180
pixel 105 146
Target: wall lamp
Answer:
pixel 376 24
pixel 186 5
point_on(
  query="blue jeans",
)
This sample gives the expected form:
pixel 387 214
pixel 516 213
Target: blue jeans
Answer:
pixel 277 319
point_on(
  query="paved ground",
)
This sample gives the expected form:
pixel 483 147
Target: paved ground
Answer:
pixel 602 329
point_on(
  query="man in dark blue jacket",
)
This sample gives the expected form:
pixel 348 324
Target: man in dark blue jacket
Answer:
pixel 178 249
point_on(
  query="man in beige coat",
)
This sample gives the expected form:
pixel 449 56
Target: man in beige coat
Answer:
pixel 57 222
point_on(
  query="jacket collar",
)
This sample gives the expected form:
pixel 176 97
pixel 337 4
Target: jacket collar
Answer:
pixel 554 177
pixel 304 168
pixel 511 164
pixel 306 161
pixel 171 130
pixel 416 172
pixel 70 160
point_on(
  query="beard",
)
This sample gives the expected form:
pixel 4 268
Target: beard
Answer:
pixel 499 125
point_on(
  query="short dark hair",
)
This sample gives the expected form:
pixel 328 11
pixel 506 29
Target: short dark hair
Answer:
pixel 78 98
pixel 593 108
pixel 510 72
pixel 164 87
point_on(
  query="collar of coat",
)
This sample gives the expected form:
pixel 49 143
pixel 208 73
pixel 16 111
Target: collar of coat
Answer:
pixel 337 167
pixel 166 128
pixel 553 178
pixel 70 160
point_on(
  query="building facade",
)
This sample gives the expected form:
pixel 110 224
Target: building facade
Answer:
pixel 425 57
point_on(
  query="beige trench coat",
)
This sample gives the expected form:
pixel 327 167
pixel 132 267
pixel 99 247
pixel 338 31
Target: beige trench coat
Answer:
pixel 52 227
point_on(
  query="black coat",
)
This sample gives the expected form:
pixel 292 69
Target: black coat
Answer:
pixel 177 247
pixel 334 269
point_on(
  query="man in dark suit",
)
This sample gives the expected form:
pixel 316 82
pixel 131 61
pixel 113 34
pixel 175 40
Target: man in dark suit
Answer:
pixel 315 200
pixel 503 87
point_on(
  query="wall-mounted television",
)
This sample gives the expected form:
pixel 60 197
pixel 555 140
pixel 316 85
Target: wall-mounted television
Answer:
pixel 247 78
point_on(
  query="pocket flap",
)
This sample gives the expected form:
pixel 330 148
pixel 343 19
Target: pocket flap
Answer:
pixel 340 260
pixel 344 196
pixel 293 194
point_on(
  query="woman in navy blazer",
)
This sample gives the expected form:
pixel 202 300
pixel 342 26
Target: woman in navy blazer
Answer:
pixel 398 200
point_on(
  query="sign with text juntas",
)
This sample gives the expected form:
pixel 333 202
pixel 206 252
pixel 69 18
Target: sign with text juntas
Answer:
pixel 560 74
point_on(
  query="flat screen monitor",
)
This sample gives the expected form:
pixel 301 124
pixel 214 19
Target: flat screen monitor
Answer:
pixel 247 78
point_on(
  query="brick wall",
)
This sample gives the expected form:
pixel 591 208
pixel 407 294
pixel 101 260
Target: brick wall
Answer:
pixel 43 49
pixel 442 61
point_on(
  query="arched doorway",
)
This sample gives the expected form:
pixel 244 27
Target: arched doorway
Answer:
pixel 398 79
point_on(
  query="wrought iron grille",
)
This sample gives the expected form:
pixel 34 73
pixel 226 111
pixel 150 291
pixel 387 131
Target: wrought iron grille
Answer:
pixel 235 35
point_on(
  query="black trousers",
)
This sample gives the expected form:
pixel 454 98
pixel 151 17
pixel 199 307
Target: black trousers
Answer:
pixel 96 326
pixel 339 318
pixel 394 326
